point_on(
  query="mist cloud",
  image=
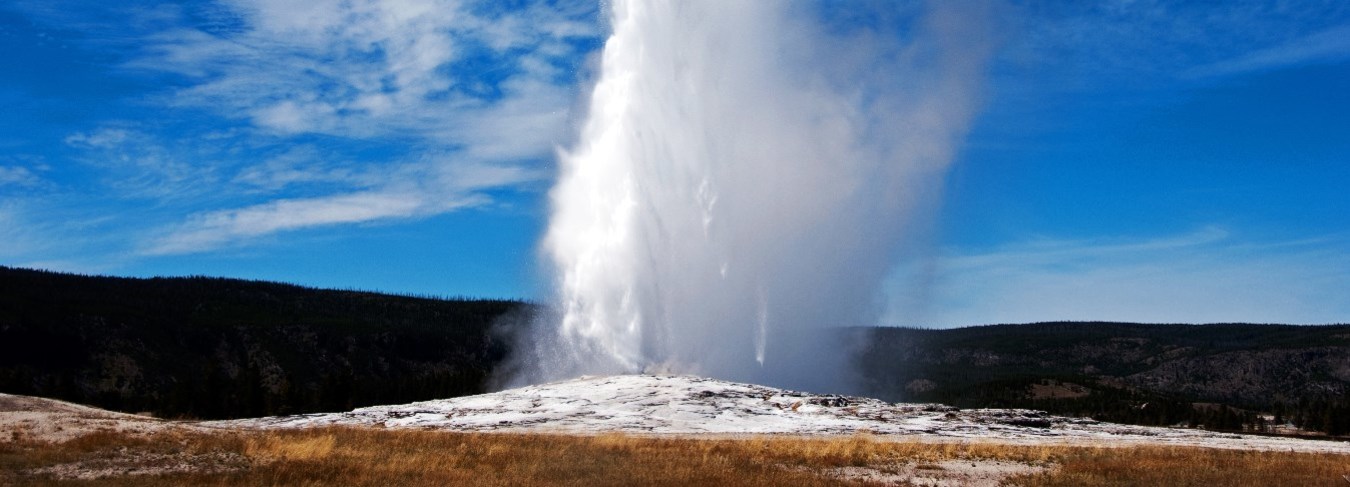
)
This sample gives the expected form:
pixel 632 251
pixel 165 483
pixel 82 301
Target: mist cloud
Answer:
pixel 743 181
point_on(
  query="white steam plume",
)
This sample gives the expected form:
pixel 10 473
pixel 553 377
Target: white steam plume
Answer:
pixel 743 181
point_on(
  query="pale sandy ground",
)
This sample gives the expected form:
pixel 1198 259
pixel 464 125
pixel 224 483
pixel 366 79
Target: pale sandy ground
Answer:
pixel 966 473
pixel 675 405
pixel 49 420
pixel 52 421
pixel 35 419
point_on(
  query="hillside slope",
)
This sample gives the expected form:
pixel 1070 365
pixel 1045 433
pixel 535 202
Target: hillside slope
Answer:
pixel 1218 375
pixel 222 348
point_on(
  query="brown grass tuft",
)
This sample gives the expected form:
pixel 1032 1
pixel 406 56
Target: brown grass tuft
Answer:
pixel 1183 466
pixel 273 448
pixel 384 457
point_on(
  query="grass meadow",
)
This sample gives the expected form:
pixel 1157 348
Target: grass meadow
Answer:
pixel 385 458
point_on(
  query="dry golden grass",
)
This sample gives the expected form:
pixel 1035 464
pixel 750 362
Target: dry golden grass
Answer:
pixel 1157 465
pixel 349 456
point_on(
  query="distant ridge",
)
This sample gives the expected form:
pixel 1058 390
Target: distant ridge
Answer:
pixel 1222 376
pixel 219 348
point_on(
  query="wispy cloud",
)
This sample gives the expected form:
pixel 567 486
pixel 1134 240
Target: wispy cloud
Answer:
pixel 1097 45
pixel 286 115
pixel 304 164
pixel 18 176
pixel 1203 277
pixel 1331 45
pixel 103 138
pixel 13 231
pixel 369 68
pixel 140 164
pixel 209 231
pixel 35 236
pixel 441 188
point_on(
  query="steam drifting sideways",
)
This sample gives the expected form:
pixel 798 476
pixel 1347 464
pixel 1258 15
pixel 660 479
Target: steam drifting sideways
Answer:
pixel 744 180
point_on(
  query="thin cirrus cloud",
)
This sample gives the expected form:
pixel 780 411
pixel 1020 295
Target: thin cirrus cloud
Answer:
pixel 217 228
pixel 19 176
pixel 137 164
pixel 370 68
pixel 1206 276
pixel 1153 42
pixel 34 238
pixel 406 74
pixel 1331 45
pixel 455 187
pixel 12 230
pixel 303 164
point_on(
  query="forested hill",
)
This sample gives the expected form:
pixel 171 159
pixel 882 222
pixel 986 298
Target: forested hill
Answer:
pixel 223 348
pixel 1222 376
pixel 219 348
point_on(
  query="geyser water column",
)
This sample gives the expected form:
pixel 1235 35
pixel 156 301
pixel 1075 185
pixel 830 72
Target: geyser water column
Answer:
pixel 741 183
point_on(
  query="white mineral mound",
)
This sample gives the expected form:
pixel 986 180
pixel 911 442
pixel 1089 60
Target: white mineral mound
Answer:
pixel 656 404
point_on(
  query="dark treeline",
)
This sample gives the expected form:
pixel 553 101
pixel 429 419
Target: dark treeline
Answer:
pixel 1218 376
pixel 224 348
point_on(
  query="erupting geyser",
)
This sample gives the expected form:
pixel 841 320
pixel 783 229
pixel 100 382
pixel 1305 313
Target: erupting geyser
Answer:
pixel 742 182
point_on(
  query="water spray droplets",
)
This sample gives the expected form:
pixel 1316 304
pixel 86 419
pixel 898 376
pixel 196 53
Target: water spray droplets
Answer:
pixel 730 195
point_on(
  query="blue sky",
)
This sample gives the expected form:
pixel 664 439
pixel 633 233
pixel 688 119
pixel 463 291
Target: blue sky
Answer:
pixel 1132 160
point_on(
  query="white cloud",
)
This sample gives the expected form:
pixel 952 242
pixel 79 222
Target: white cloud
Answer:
pixel 13 231
pixel 442 188
pixel 1094 45
pixel 214 229
pixel 420 107
pixel 36 236
pixel 305 164
pixel 291 117
pixel 462 93
pixel 103 138
pixel 375 68
pixel 18 176
pixel 141 164
pixel 1330 45
pixel 1204 277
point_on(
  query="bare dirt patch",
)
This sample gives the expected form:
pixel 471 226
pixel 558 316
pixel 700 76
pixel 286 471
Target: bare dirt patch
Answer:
pixel 947 473
pixel 74 442
pixel 129 463
pixel 36 419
